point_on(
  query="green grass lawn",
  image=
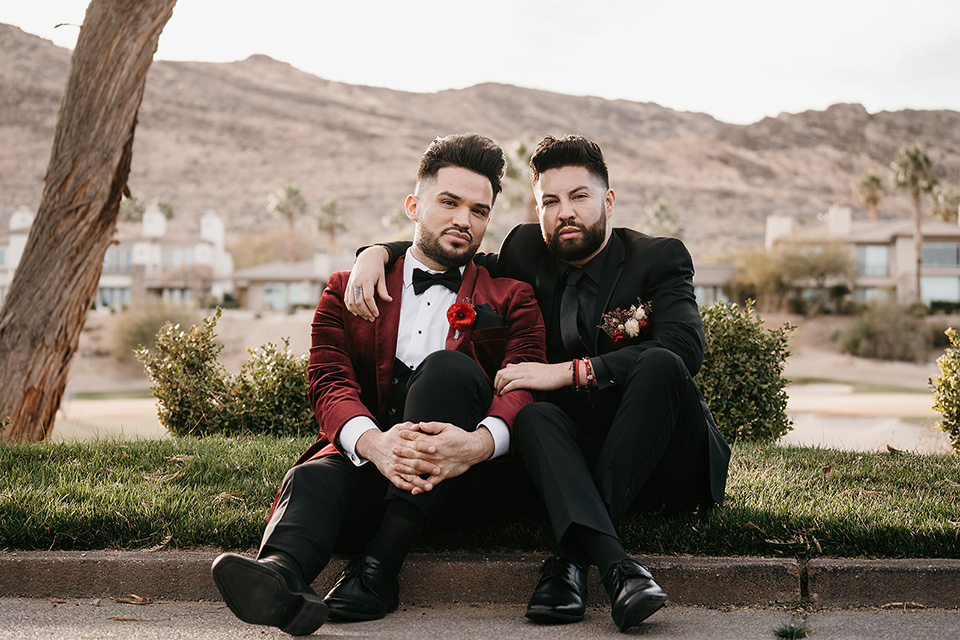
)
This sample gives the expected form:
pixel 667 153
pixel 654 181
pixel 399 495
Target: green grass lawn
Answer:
pixel 216 492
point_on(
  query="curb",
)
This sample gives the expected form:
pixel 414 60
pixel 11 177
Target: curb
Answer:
pixel 858 583
pixel 504 579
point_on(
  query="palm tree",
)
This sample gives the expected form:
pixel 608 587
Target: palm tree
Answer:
pixel 946 204
pixel 913 172
pixel 331 219
pixel 871 190
pixel 287 202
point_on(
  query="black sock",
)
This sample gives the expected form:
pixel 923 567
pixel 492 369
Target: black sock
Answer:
pixel 401 527
pixel 602 549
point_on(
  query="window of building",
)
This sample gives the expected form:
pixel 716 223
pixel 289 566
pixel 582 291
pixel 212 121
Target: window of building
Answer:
pixel 2 258
pixel 275 295
pixel 870 294
pixel 939 289
pixel 873 260
pixel 941 254
pixel 297 293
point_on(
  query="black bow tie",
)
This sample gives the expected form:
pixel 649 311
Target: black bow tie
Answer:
pixel 423 280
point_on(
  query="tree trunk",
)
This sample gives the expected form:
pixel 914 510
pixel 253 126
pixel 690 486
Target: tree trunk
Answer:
pixel 56 281
pixel 872 207
pixel 917 242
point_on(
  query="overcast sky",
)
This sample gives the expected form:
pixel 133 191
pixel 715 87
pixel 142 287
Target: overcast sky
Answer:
pixel 738 60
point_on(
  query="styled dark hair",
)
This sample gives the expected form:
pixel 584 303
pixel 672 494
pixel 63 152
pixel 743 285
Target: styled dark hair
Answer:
pixel 471 151
pixel 570 151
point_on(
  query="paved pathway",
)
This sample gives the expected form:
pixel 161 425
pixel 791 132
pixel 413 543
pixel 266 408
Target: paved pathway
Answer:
pixel 32 619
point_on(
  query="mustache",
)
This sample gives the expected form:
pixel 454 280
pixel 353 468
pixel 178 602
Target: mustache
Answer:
pixel 466 232
pixel 566 224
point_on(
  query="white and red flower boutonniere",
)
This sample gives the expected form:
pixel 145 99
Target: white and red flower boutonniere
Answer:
pixel 623 324
pixel 461 315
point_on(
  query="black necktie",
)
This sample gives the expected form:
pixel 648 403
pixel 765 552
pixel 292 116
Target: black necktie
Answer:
pixel 569 306
pixel 423 280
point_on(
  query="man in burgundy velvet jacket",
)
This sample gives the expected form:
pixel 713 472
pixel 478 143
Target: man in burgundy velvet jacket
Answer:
pixel 415 385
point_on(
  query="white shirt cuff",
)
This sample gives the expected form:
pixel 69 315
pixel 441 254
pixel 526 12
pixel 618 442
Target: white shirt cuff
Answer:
pixel 501 435
pixel 349 434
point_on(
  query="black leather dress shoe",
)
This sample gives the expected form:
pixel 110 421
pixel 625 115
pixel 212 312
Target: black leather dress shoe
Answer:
pixel 264 592
pixel 559 596
pixel 634 596
pixel 364 591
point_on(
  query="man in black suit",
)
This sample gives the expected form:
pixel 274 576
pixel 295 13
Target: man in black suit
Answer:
pixel 624 427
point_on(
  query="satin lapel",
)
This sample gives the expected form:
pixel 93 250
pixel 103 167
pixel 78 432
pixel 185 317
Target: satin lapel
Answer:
pixel 612 271
pixel 467 292
pixel 387 328
pixel 545 288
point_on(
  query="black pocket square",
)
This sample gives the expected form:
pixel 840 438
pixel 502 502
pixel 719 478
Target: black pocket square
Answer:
pixel 487 318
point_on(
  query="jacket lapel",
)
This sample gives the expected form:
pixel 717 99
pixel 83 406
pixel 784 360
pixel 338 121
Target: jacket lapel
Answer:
pixel 387 328
pixel 612 271
pixel 466 293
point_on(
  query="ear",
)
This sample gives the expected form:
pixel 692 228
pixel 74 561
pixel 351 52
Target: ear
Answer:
pixel 608 200
pixel 410 207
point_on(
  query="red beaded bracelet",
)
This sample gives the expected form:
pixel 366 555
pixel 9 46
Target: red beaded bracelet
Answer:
pixel 591 379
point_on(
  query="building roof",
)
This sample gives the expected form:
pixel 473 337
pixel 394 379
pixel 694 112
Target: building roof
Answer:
pixel 883 232
pixel 278 271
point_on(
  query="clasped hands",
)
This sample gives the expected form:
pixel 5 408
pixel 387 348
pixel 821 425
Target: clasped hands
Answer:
pixel 416 457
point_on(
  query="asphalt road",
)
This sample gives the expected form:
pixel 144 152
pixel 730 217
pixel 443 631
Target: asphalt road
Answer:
pixel 30 619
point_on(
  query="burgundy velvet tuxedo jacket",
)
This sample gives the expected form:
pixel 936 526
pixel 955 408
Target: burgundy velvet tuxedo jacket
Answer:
pixel 352 360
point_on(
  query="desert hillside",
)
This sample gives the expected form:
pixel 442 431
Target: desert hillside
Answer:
pixel 223 136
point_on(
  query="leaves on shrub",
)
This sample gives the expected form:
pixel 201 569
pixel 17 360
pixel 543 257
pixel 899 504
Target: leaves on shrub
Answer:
pixel 196 396
pixel 741 376
pixel 946 390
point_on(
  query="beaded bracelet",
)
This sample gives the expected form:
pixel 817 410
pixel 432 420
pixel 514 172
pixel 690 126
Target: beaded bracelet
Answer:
pixel 591 379
pixel 575 367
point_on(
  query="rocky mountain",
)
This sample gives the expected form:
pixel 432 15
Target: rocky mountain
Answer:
pixel 223 136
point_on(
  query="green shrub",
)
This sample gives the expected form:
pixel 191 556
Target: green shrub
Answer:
pixel 946 390
pixel 886 331
pixel 137 327
pixel 741 377
pixel 197 397
pixel 271 392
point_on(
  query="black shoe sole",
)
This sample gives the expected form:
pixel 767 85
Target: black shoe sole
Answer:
pixel 639 610
pixel 545 616
pixel 259 595
pixel 346 615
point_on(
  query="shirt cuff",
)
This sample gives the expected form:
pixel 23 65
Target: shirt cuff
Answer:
pixel 501 435
pixel 349 434
pixel 605 378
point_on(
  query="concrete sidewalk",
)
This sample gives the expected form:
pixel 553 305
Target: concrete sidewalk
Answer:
pixel 429 580
pixel 22 619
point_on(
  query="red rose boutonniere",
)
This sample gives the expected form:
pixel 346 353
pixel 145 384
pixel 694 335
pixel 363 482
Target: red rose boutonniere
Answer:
pixel 623 324
pixel 461 315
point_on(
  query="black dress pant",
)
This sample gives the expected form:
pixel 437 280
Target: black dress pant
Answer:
pixel 330 505
pixel 643 446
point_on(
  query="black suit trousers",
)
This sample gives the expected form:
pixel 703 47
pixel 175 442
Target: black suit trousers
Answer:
pixel 329 504
pixel 645 448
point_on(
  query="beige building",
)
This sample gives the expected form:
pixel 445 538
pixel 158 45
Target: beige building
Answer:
pixel 148 261
pixel 886 258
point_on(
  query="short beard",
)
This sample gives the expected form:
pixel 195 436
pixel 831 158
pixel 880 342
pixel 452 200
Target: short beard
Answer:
pixel 431 247
pixel 590 240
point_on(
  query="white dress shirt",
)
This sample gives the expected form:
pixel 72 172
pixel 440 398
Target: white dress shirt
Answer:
pixel 423 330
